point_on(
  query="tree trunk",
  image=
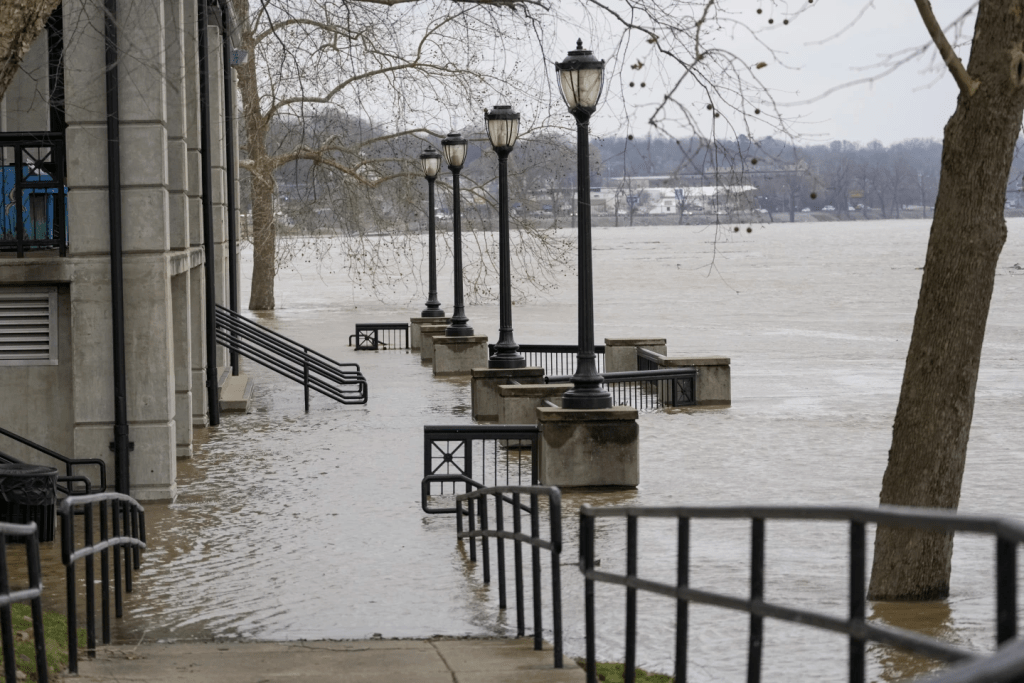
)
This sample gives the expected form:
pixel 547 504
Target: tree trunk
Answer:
pixel 261 175
pixel 933 418
pixel 21 21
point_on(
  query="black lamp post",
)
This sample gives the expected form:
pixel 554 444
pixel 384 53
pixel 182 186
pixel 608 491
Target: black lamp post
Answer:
pixel 454 148
pixel 580 79
pixel 430 160
pixel 503 129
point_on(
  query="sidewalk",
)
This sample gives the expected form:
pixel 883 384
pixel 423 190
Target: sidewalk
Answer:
pixel 359 661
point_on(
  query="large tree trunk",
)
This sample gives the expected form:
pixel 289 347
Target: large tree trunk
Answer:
pixel 21 21
pixel 933 418
pixel 261 175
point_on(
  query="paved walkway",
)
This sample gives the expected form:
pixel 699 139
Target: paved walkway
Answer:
pixel 423 661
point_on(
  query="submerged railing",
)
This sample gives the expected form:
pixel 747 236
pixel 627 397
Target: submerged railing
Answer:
pixel 1005 665
pixel 128 532
pixel 342 382
pixel 380 336
pixel 27 534
pixel 494 455
pixel 646 389
pixel 65 482
pixel 556 359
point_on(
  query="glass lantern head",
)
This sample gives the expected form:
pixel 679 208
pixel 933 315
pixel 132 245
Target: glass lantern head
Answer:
pixel 454 148
pixel 580 80
pixel 502 127
pixel 430 161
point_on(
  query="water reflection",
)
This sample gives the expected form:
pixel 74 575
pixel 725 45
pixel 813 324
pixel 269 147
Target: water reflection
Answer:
pixel 934 619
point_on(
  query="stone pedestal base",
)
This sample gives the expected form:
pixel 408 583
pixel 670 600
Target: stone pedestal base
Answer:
pixel 714 378
pixel 518 403
pixel 459 355
pixel 484 387
pixel 414 329
pixel 620 353
pixel 427 334
pixel 589 447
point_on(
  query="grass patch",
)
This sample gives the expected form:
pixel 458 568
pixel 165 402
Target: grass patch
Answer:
pixel 612 672
pixel 55 631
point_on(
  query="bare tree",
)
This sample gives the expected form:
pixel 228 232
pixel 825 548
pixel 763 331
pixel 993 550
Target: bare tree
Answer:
pixel 936 405
pixel 21 21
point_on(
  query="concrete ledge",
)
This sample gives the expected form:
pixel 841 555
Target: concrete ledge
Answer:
pixel 427 334
pixel 459 355
pixel 714 377
pixel 235 393
pixel 414 329
pixel 484 388
pixel 589 447
pixel 518 403
pixel 620 352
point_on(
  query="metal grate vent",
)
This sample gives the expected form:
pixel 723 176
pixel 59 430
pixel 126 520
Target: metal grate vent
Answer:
pixel 28 326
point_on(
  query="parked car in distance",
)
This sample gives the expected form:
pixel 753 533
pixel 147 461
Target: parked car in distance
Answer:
pixel 805 210
pixel 828 207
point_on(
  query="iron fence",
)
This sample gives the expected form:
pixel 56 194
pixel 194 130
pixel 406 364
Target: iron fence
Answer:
pixel 556 359
pixel 511 451
pixel 128 531
pixel 33 192
pixel 27 534
pixel 65 482
pixel 342 382
pixel 1006 665
pixel 510 498
pixel 647 389
pixel 380 336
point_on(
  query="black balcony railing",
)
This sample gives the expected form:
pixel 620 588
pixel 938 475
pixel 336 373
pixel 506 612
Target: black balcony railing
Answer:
pixel 1007 664
pixel 647 389
pixel 556 359
pixel 380 336
pixel 486 455
pixel 126 535
pixel 33 192
pixel 26 534
pixel 313 370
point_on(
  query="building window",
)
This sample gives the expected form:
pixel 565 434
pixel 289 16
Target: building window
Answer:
pixel 28 326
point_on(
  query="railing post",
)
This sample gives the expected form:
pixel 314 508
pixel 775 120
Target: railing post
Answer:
pixel 67 539
pixel 555 513
pixel 517 529
pixel 305 378
pixel 587 565
pixel 682 606
pixel 756 595
pixel 538 629
pixel 631 541
pixel 6 628
pixel 857 596
pixel 1006 590
pixel 90 587
pixel 499 521
pixel 35 580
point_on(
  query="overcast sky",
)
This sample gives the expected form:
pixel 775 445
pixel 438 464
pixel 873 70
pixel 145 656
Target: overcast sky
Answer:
pixel 815 54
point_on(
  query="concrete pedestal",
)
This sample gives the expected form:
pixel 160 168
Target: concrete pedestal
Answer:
pixel 518 403
pixel 620 352
pixel 459 355
pixel 589 447
pixel 484 388
pixel 714 378
pixel 414 329
pixel 427 334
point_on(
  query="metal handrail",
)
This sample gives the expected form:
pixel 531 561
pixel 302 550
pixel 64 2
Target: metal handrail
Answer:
pixel 559 356
pixel 342 382
pixel 533 538
pixel 1009 534
pixel 125 513
pixel 69 463
pixel 29 532
pixel 647 388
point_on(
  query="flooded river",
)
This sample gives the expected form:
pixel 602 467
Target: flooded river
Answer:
pixel 291 525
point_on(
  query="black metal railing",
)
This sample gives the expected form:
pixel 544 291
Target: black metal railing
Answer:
pixel 512 452
pixel 493 523
pixel 33 191
pixel 27 534
pixel 128 531
pixel 647 360
pixel 647 389
pixel 1006 665
pixel 380 336
pixel 556 359
pixel 65 482
pixel 314 371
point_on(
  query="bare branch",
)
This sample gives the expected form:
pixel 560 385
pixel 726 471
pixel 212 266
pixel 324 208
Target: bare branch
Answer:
pixel 968 86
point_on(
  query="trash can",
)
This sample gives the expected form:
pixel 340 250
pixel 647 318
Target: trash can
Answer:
pixel 28 493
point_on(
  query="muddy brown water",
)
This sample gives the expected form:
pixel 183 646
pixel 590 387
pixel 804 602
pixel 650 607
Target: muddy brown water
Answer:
pixel 290 525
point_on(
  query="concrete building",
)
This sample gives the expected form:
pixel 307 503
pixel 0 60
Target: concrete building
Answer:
pixel 105 301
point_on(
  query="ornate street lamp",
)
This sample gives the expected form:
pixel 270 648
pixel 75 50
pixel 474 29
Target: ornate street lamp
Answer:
pixel 454 148
pixel 580 79
pixel 430 160
pixel 503 129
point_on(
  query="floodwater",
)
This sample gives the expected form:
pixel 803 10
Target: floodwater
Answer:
pixel 290 525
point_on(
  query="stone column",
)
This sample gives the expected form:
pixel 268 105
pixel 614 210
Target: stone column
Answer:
pixel 620 353
pixel 589 447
